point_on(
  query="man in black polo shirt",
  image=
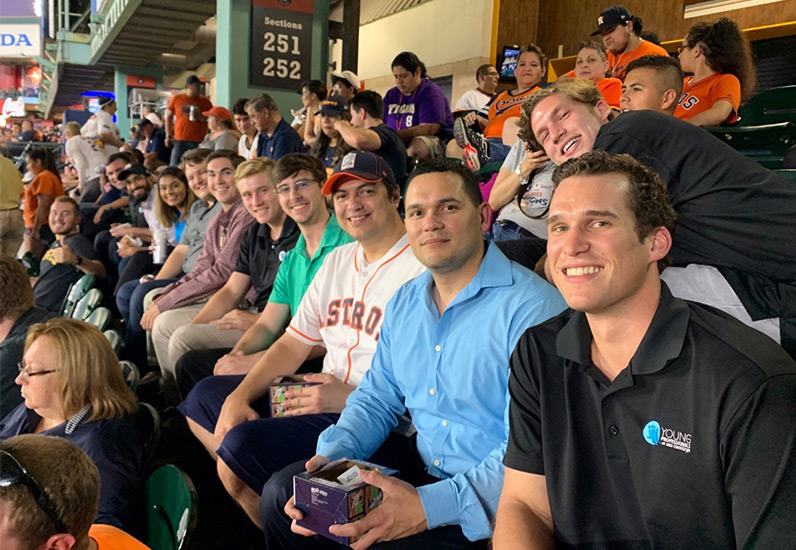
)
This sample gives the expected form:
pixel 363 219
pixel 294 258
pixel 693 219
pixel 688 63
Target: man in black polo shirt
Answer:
pixel 732 249
pixel 367 132
pixel 221 324
pixel 276 138
pixel 68 258
pixel 639 420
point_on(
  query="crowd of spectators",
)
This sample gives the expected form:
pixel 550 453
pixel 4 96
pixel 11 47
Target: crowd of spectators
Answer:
pixel 566 315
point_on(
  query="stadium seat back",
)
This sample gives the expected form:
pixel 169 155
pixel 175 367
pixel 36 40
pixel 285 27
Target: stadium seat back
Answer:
pixel 115 339
pixel 87 304
pixel 130 372
pixel 147 424
pixel 769 107
pixel 171 509
pixel 100 318
pixel 75 293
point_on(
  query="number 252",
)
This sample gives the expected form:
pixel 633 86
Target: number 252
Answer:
pixel 282 68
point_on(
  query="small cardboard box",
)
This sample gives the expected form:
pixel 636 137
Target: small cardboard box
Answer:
pixel 325 501
pixel 276 392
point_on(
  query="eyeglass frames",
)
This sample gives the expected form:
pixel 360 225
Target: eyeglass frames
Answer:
pixel 23 370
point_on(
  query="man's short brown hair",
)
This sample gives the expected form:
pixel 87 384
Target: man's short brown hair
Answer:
pixel 646 193
pixel 68 200
pixel 17 295
pixel 197 155
pixel 293 163
pixel 69 478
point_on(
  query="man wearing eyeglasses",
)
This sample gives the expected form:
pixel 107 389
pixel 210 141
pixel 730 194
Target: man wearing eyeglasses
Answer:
pixel 48 498
pixel 487 77
pixel 341 311
pixel 297 181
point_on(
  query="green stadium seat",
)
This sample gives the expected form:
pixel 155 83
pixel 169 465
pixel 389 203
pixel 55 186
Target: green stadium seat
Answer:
pixel 171 509
pixel 115 339
pixel 767 144
pixel 131 374
pixel 147 425
pixel 769 107
pixel 75 293
pixel 789 175
pixel 100 318
pixel 87 304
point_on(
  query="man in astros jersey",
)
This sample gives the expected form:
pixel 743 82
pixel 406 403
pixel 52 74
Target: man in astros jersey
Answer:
pixel 341 312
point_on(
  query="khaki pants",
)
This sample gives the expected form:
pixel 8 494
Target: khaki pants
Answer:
pixel 12 229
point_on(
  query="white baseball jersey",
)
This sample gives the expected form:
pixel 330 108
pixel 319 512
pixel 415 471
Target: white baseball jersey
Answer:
pixel 86 156
pixel 343 308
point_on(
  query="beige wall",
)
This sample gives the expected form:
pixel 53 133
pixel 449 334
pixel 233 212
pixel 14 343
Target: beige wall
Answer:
pixel 452 37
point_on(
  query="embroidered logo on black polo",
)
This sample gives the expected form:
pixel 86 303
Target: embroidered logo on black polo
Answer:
pixel 656 435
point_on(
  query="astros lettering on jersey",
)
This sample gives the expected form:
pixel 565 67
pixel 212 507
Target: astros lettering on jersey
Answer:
pixel 343 308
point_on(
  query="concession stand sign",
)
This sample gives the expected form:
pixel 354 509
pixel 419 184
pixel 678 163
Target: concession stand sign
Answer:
pixel 281 43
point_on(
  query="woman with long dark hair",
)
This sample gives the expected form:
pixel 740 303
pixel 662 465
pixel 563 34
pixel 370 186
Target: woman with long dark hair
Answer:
pixel 39 195
pixel 331 147
pixel 720 59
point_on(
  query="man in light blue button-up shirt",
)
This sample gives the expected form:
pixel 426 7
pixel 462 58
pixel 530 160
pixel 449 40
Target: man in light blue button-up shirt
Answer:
pixel 443 354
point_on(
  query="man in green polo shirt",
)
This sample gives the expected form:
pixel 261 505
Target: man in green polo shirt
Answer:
pixel 298 179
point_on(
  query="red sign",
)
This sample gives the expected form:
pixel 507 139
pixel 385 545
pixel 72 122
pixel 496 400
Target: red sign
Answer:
pixel 140 82
pixel 305 6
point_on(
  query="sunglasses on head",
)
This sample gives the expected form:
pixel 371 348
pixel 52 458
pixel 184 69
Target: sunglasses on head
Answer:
pixel 13 473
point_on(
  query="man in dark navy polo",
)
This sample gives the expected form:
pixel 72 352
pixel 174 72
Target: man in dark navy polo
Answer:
pixel 639 420
pixel 276 137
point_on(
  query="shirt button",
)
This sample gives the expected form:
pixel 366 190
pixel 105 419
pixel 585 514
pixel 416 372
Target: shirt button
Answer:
pixel 436 462
pixel 613 429
pixel 432 391
pixel 437 348
pixel 444 422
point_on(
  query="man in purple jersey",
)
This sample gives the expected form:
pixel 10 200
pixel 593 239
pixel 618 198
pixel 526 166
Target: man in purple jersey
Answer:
pixel 416 106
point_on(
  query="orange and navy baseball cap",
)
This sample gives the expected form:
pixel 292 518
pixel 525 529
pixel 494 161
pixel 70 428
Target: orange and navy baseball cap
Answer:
pixel 220 112
pixel 611 17
pixel 360 165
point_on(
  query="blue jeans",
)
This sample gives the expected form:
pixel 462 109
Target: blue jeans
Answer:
pixel 508 232
pixel 130 301
pixel 179 148
pixel 498 151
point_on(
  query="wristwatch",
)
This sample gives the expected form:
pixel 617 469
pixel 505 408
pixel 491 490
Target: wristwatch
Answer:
pixel 518 170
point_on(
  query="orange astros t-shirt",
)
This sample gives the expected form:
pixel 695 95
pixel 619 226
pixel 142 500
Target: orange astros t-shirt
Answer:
pixel 702 95
pixel 619 63
pixel 186 129
pixel 505 105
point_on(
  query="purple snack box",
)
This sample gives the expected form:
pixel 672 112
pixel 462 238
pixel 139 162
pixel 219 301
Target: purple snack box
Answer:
pixel 276 391
pixel 325 501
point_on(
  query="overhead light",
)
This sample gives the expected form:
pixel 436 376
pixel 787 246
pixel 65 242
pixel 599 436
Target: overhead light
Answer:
pixel 718 6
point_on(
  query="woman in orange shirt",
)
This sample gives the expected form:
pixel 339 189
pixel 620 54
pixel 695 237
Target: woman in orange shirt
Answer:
pixel 720 58
pixel 592 64
pixel 500 128
pixel 39 195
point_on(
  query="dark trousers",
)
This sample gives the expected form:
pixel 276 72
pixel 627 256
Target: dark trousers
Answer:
pixel 130 301
pixel 399 453
pixel 195 366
